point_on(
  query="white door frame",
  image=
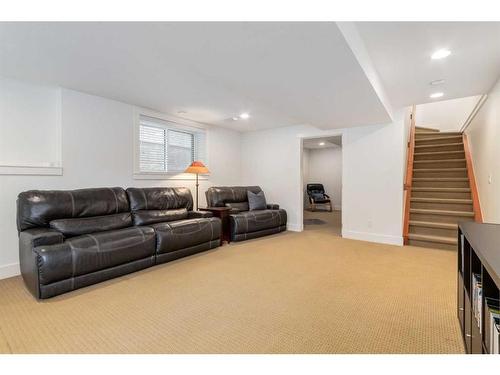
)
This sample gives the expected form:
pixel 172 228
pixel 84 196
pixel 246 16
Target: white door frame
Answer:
pixel 300 144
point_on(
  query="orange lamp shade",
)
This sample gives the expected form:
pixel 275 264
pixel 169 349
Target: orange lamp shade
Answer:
pixel 197 167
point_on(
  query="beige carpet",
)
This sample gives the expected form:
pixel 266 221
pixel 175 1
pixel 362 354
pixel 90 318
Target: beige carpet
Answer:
pixel 309 292
pixel 329 222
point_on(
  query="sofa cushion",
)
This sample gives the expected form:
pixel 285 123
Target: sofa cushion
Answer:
pixel 256 201
pixel 85 225
pixel 251 221
pixel 160 198
pixel 93 252
pixel 182 234
pixel 144 217
pixel 37 208
pixel 238 206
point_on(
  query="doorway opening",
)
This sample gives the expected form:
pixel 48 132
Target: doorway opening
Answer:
pixel 322 184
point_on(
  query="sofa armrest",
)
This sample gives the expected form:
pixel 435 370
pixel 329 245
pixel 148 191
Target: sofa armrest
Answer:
pixel 273 206
pixel 199 214
pixel 40 236
pixel 28 259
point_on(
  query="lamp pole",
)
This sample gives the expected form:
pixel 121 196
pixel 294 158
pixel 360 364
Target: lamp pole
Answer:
pixel 196 191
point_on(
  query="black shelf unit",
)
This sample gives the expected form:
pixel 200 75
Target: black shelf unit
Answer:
pixel 478 253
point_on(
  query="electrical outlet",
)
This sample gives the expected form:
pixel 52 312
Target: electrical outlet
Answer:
pixel 489 178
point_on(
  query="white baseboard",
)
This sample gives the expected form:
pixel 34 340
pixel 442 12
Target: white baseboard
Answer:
pixel 373 237
pixel 9 270
pixel 294 227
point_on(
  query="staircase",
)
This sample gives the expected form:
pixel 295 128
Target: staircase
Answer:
pixel 440 195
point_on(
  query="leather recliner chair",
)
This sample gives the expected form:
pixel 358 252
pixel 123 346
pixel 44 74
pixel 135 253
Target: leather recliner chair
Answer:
pixel 245 224
pixel 75 238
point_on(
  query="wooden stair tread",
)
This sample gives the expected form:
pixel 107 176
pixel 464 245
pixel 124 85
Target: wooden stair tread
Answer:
pixel 441 212
pixel 432 224
pixel 440 179
pixel 438 239
pixel 437 138
pixel 439 145
pixel 440 160
pixel 442 200
pixel 444 133
pixel 442 189
pixel 439 152
pixel 440 169
pixel 422 129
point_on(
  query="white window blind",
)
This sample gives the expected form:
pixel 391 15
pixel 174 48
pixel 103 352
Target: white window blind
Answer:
pixel 168 147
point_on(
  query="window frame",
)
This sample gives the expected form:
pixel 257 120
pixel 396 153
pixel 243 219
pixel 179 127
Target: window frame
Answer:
pixel 183 126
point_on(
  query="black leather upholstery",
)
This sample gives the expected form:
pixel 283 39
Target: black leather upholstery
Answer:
pixel 160 198
pixel 238 206
pixel 36 208
pixel 71 239
pixel 218 196
pixel 85 225
pixel 176 235
pixel 199 214
pixel 93 252
pixel 177 227
pixel 254 221
pixel 246 224
pixel 146 217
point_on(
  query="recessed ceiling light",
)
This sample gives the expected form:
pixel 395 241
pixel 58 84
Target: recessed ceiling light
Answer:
pixel 436 95
pixel 244 116
pixel 441 54
pixel 235 118
pixel 437 82
pixel 321 143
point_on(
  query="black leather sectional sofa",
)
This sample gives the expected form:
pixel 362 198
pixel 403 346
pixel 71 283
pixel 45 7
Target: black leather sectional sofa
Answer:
pixel 72 239
pixel 245 224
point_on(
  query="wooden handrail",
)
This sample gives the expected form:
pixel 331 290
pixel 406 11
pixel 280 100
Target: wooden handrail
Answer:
pixel 478 216
pixel 409 177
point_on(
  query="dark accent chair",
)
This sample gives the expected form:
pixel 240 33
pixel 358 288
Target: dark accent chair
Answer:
pixel 75 238
pixel 245 224
pixel 316 194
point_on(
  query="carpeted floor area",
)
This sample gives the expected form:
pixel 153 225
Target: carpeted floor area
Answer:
pixel 309 292
pixel 328 222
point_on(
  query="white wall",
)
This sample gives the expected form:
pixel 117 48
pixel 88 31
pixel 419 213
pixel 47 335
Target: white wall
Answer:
pixel 373 159
pixel 325 166
pixel 446 115
pixel 305 173
pixel 484 140
pixel 97 150
pixel 29 137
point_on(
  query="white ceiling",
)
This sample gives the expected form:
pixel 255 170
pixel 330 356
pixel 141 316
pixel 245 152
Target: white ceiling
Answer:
pixel 314 143
pixel 281 73
pixel 401 54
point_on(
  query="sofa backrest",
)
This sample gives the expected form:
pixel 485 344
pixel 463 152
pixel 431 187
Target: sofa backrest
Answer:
pixel 38 208
pixel 220 196
pixel 159 204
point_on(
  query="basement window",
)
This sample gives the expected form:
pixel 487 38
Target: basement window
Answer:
pixel 166 147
